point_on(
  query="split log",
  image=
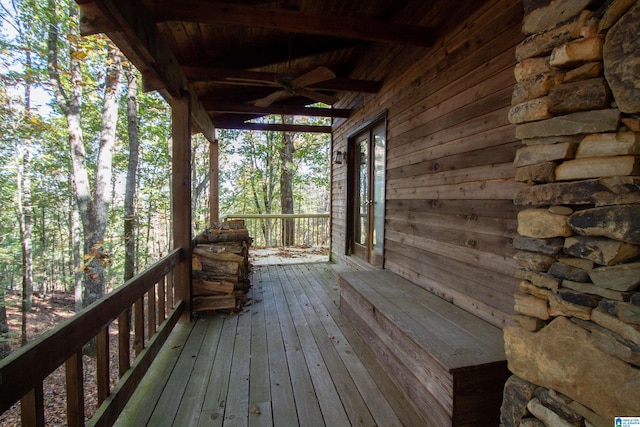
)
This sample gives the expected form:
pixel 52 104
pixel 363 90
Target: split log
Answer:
pixel 206 287
pixel 214 302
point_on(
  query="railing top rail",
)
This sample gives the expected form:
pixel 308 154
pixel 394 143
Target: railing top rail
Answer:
pixel 31 364
pixel 268 216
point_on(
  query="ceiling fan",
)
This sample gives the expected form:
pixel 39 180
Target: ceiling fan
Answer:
pixel 295 84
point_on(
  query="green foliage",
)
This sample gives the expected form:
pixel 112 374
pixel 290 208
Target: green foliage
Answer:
pixel 250 168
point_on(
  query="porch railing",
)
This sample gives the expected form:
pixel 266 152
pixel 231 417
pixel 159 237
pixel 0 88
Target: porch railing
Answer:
pixel 272 230
pixel 23 372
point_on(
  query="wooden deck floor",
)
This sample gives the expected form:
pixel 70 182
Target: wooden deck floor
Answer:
pixel 288 359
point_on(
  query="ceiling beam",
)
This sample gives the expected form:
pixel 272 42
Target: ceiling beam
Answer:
pixel 270 127
pixel 137 34
pixel 259 78
pixel 269 52
pixel 276 109
pixel 293 21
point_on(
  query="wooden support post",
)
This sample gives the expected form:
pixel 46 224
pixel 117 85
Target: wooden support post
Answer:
pixel 75 390
pixel 102 364
pixel 32 407
pixel 181 206
pixel 124 334
pixel 151 311
pixel 214 189
pixel 138 325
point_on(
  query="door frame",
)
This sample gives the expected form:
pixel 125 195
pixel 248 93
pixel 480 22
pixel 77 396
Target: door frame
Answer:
pixel 351 248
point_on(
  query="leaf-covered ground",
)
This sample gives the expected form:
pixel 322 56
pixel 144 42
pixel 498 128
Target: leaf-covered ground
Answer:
pixel 46 314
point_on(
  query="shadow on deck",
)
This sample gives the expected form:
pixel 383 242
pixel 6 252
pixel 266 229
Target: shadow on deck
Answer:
pixel 289 358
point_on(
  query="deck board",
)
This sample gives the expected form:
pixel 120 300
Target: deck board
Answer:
pixel 289 358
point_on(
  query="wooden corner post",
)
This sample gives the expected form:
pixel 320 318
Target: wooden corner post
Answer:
pixel 181 197
pixel 214 191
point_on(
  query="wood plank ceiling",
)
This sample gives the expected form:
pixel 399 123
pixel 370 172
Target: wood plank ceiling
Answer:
pixel 241 60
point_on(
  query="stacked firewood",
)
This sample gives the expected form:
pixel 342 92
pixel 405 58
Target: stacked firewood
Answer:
pixel 220 265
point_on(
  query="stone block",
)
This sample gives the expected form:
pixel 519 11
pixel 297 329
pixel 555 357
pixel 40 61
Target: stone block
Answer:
pixel 624 311
pixel 532 68
pixel 529 288
pixel 631 123
pixel 541 173
pixel 579 370
pixel 568 272
pixel 609 144
pixel 536 154
pixel 627 331
pixel 600 250
pixel 622 277
pixel 590 70
pixel 546 415
pixel 612 343
pixel 531 306
pixel 558 403
pixel 593 94
pixel 599 192
pixel 598 167
pixel 517 393
pixel 561 307
pixel 577 52
pixel 622 60
pixel 542 44
pixel 591 419
pixel 539 279
pixel 551 14
pixel 635 298
pixel 579 298
pixel 531 422
pixel 581 263
pixel 530 111
pixel 560 210
pixel 542 224
pixel 552 140
pixel 616 9
pixel 551 246
pixel 533 260
pixel 616 222
pixel 583 122
pixel 590 288
pixel 534 87
pixel 531 324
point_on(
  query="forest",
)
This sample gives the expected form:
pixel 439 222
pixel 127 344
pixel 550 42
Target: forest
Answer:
pixel 85 165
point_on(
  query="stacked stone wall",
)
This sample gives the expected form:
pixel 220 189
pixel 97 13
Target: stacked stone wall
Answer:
pixel 574 347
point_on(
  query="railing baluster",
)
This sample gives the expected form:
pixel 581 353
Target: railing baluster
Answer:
pixel 32 407
pixel 102 363
pixel 161 301
pixel 151 308
pixel 75 390
pixel 138 325
pixel 170 303
pixel 124 336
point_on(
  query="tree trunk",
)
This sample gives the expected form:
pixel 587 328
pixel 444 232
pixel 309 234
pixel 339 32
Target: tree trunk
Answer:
pixel 287 169
pixel 95 223
pixel 76 233
pixel 70 103
pixel 130 189
pixel 5 349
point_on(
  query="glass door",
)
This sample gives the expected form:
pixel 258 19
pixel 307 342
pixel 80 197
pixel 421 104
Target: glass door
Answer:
pixel 367 194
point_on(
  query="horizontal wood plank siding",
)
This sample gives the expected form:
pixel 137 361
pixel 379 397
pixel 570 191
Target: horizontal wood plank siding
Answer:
pixel 450 219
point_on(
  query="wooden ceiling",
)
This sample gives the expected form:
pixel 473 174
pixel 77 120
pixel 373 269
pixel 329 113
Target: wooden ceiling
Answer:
pixel 232 56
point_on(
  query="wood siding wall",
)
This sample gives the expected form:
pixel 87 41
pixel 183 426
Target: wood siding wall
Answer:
pixel 450 218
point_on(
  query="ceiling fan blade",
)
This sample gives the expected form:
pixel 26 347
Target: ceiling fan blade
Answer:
pixel 270 99
pixel 314 76
pixel 317 96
